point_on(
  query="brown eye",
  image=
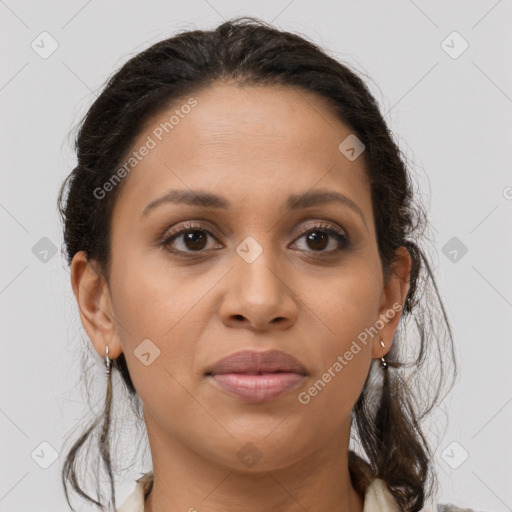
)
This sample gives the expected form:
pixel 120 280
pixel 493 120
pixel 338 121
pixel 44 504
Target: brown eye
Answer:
pixel 317 240
pixel 190 238
pixel 322 238
pixel 194 240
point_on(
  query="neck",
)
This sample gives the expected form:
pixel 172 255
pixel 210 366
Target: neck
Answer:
pixel 185 480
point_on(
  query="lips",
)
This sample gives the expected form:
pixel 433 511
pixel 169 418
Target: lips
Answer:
pixel 257 376
pixel 252 362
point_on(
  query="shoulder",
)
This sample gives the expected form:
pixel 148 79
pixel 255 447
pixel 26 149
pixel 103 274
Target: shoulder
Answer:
pixel 453 508
pixel 379 498
pixel 135 501
pixel 377 494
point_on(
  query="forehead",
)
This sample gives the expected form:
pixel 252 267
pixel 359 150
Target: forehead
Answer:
pixel 235 138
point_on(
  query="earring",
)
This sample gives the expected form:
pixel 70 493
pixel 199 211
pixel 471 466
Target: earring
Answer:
pixel 107 360
pixel 383 363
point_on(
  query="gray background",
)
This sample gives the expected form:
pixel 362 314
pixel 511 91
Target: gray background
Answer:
pixel 452 117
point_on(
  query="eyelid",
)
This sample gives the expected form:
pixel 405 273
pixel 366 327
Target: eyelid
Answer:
pixel 322 224
pixel 330 228
pixel 171 235
pixel 190 225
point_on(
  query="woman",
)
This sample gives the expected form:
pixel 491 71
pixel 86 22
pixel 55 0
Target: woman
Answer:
pixel 245 251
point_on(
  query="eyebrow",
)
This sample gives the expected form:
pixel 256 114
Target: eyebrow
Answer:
pixel 294 201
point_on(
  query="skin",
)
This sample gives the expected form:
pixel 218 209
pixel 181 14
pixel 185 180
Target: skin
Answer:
pixel 254 146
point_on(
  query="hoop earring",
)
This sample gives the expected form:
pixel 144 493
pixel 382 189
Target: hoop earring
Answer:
pixel 383 363
pixel 108 361
pixel 104 440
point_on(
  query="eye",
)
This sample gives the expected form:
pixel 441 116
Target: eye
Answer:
pixel 320 236
pixel 191 237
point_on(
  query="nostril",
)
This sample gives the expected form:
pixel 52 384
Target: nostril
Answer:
pixel 238 317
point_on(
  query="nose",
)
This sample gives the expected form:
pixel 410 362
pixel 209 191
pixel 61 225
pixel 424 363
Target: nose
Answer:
pixel 258 298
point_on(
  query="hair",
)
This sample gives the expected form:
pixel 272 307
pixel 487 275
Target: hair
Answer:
pixel 247 51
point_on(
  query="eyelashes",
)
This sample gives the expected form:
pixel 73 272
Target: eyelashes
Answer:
pixel 187 228
pixel 312 232
pixel 193 237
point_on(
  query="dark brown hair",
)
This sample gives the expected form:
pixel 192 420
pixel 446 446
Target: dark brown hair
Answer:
pixel 247 51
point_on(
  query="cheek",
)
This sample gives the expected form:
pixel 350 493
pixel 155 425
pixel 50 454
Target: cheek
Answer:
pixel 154 302
pixel 162 312
pixel 162 318
pixel 344 353
pixel 347 311
pixel 328 401
pixel 346 304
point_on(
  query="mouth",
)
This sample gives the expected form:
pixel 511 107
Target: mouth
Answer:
pixel 257 376
pixel 257 388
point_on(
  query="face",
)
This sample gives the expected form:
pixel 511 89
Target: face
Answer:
pixel 273 262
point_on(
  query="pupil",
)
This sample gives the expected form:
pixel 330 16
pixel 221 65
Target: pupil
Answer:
pixel 195 240
pixel 317 243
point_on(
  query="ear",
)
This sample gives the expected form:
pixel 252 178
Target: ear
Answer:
pixel 93 298
pixel 394 294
